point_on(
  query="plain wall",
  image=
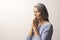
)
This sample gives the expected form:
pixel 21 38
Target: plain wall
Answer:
pixel 16 18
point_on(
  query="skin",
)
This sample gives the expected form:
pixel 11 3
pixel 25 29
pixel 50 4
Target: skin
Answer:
pixel 37 15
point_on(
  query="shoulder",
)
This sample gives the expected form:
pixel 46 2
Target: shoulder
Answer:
pixel 48 26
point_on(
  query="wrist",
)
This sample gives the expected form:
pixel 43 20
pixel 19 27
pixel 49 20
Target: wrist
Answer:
pixel 36 32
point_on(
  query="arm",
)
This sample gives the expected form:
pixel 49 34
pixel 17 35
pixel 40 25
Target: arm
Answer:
pixel 29 36
pixel 47 32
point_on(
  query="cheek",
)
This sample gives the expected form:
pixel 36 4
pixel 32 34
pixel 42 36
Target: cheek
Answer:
pixel 38 14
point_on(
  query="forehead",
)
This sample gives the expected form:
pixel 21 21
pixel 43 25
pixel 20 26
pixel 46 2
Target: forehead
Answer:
pixel 35 9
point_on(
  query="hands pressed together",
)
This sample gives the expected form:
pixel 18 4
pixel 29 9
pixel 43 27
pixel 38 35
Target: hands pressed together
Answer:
pixel 34 27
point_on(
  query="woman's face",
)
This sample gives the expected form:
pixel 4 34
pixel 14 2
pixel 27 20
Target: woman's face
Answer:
pixel 37 13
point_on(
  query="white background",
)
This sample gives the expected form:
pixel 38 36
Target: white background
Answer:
pixel 16 18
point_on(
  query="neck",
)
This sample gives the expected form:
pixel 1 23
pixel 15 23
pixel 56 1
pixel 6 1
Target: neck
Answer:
pixel 41 21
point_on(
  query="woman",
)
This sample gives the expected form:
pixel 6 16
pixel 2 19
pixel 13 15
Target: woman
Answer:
pixel 41 29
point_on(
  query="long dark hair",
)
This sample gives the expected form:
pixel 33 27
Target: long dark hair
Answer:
pixel 42 8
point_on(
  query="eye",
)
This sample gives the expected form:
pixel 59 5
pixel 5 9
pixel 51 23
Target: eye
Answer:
pixel 36 11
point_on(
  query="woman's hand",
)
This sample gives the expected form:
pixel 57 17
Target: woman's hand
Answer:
pixel 35 26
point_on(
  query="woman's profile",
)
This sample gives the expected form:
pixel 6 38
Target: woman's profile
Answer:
pixel 41 28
